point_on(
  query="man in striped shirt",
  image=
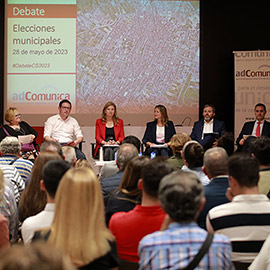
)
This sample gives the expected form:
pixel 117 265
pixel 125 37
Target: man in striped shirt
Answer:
pixel 10 148
pixel 182 197
pixel 246 219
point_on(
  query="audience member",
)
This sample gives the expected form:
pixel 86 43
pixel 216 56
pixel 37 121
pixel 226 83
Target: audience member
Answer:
pixel 129 228
pixel 110 168
pixel 193 157
pixel 13 180
pixel 83 163
pixel 181 197
pixel 127 195
pixel 69 155
pixel 33 199
pixel 125 153
pixel 52 173
pixel 245 220
pixel 253 129
pixel 52 146
pixel 216 168
pixel 262 261
pixel 158 132
pixel 226 141
pixel 78 227
pixel 62 128
pixel 10 148
pixel 4 233
pixel 8 209
pixel 208 129
pixel 177 143
pixel 260 148
pixel 38 256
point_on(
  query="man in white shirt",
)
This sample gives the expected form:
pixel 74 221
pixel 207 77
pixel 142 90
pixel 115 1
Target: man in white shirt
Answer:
pixel 253 129
pixel 52 174
pixel 62 128
pixel 207 129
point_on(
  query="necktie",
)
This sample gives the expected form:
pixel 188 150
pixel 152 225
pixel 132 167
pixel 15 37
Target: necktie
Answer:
pixel 258 130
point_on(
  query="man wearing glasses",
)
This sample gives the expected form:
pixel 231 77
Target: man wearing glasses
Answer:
pixel 63 128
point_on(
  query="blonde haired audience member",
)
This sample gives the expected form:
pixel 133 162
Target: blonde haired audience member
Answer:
pixel 69 155
pixel 177 143
pixel 79 228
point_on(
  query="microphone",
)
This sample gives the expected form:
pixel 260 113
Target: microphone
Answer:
pixel 182 123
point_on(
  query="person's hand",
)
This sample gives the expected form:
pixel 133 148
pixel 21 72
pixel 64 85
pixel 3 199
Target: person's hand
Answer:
pixel 73 144
pixel 242 141
pixel 229 194
pixel 215 143
pixel 32 138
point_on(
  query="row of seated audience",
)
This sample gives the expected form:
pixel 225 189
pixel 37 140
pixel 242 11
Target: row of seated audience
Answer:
pixel 142 213
pixel 157 215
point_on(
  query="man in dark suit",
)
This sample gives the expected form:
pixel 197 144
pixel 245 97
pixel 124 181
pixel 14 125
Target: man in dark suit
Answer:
pixel 253 129
pixel 216 168
pixel 207 129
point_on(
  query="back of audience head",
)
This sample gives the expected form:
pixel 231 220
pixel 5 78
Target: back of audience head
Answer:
pixel 152 174
pixel 226 141
pixel 132 174
pixel 33 199
pixel 10 145
pixel 181 196
pixel 125 153
pixel 193 154
pixel 52 173
pixel 215 162
pixel 69 155
pixel 83 163
pixel 245 169
pixel 260 147
pixel 79 200
pixel 178 141
pixel 39 255
pixel 133 140
pixel 52 146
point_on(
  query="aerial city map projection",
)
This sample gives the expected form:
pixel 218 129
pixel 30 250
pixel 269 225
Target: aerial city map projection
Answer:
pixel 138 54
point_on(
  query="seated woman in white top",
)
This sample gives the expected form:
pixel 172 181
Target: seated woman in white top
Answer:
pixel 159 132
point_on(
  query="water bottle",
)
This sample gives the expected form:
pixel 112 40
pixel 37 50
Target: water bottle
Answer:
pixel 153 154
pixel 100 154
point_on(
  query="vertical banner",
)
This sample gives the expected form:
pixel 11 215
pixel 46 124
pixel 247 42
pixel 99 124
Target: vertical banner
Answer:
pixel 252 85
pixel 41 54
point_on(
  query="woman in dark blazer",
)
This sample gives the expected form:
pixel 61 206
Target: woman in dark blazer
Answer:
pixel 159 132
pixel 109 131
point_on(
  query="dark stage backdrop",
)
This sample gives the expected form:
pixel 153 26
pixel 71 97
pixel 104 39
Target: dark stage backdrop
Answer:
pixel 225 27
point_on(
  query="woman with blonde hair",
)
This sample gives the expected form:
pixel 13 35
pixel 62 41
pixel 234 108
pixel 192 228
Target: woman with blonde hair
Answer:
pixel 16 127
pixel 33 199
pixel 158 133
pixel 177 143
pixel 109 131
pixel 127 195
pixel 79 228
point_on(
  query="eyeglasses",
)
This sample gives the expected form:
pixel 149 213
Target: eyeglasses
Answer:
pixel 67 108
pixel 18 115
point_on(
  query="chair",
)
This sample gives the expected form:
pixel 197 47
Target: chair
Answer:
pixel 126 265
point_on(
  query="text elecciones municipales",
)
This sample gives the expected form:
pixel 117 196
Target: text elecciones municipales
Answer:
pixel 33 28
